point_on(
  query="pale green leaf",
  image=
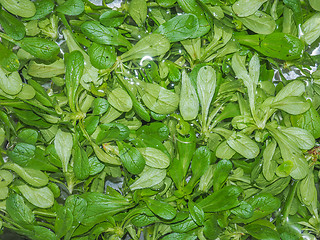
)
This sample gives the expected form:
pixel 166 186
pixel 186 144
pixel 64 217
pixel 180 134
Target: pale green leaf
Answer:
pixel 148 178
pixel 63 143
pixel 189 103
pixel 244 145
pixel 244 8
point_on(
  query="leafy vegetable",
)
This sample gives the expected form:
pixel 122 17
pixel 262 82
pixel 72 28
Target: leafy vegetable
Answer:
pixel 160 119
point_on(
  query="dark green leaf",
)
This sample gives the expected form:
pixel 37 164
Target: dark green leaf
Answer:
pixel 102 56
pixel 112 131
pixel 162 209
pixel 263 204
pixel 224 199
pixel 221 173
pixel 179 28
pixel 196 213
pixel 12 26
pixel 8 59
pixel 71 7
pixel 262 232
pixel 131 158
pixel 43 8
pixel 74 69
pixel 18 210
pixel 103 35
pixel 111 18
pixel 40 47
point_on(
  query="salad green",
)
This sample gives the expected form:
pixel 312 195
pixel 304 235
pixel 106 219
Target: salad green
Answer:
pixel 165 119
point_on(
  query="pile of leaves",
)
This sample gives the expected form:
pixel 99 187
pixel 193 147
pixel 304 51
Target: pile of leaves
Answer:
pixel 160 119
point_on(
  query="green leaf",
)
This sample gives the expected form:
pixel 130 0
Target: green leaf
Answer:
pixel 102 56
pixel 161 209
pixel 221 173
pixel 259 22
pixel 63 222
pixel 159 99
pixel 201 160
pixel 131 158
pixel 95 166
pixel 295 6
pixel 78 206
pixel 22 8
pixel 103 35
pixel 71 7
pixel 112 131
pixel 315 4
pixel 74 69
pixel 206 86
pixel 8 60
pixel 293 89
pixel 29 156
pixel 155 158
pixel 301 137
pixel 103 156
pixel 63 143
pixel 80 162
pixel 179 236
pixel 244 145
pixel 18 210
pixel 269 165
pixel 245 8
pixel 11 84
pixel 28 135
pixel 38 233
pixel 311 29
pixel 262 232
pixel 100 206
pixel 196 213
pixel 276 45
pixel 111 18
pixel 40 47
pixel 189 103
pixel 148 178
pixel 138 11
pixel 244 210
pixel 156 130
pixel 251 78
pixel 290 154
pixel 33 177
pixel 307 189
pixel 263 204
pixel 91 123
pixel 43 8
pixel 151 45
pixel 211 228
pixel 100 106
pixel 224 151
pixel 6 178
pixel 292 105
pixel 184 226
pixel 310 121
pixel 39 197
pixel 179 28
pixel 120 100
pixel 12 26
pixel 224 199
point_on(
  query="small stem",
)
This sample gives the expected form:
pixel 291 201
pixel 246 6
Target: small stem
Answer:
pixel 5 36
pixel 45 214
pixel 64 21
pixel 47 225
